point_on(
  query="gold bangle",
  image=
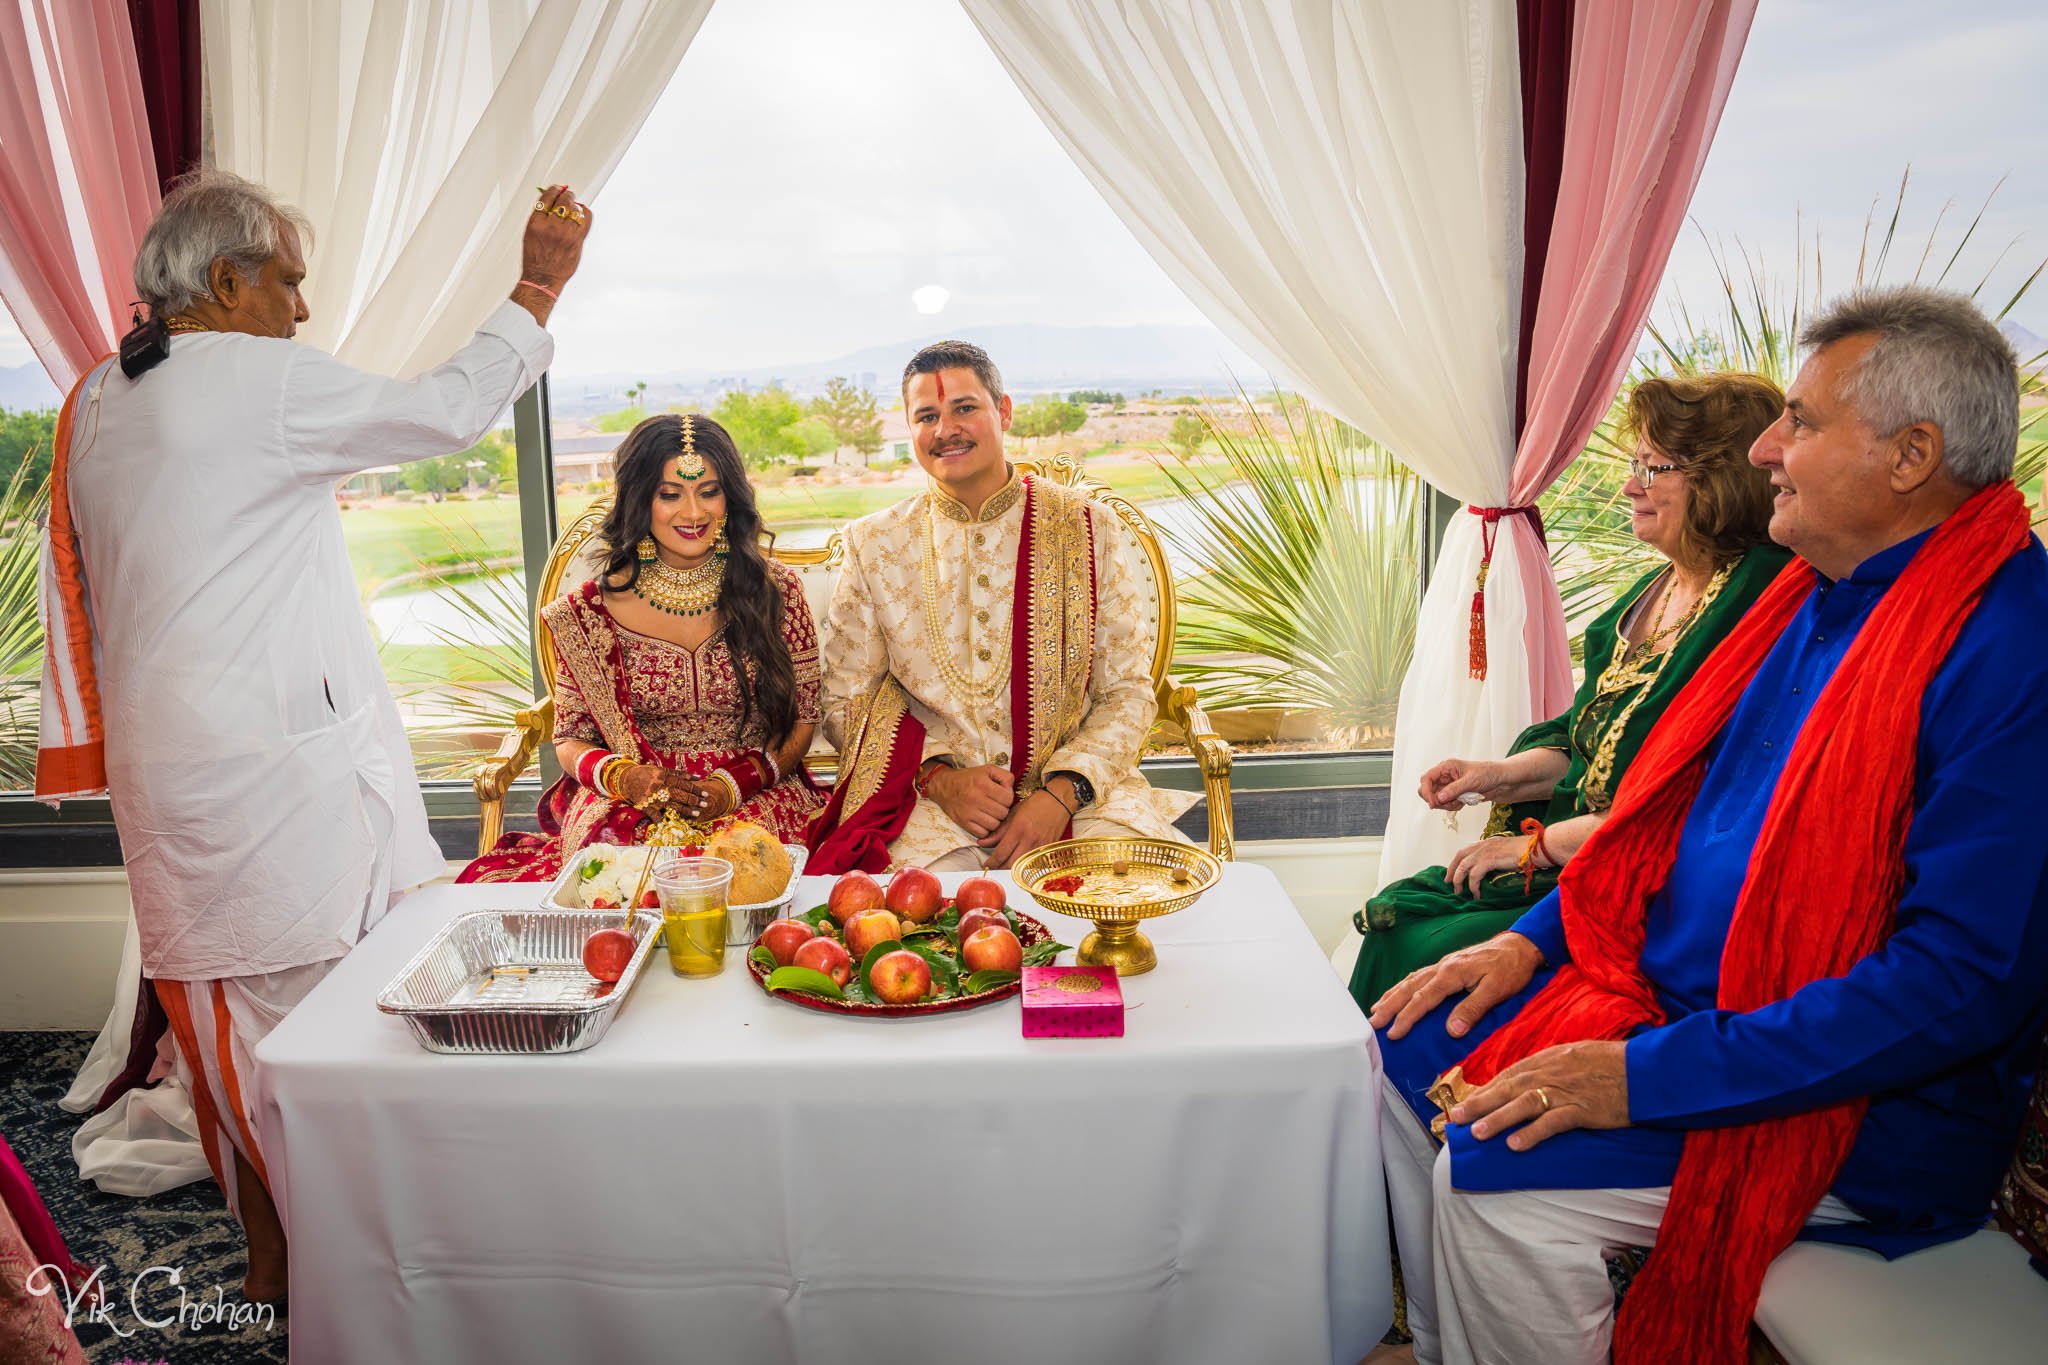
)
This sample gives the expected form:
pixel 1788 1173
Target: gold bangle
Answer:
pixel 731 784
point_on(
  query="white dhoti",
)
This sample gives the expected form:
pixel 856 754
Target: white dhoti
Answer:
pixel 1511 1277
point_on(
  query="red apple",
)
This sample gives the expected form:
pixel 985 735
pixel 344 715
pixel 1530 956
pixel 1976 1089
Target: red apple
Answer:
pixel 649 901
pixel 915 895
pixel 976 918
pixel 992 949
pixel 607 953
pixel 784 937
pixel 827 955
pixel 868 928
pixel 980 893
pixel 900 978
pixel 851 894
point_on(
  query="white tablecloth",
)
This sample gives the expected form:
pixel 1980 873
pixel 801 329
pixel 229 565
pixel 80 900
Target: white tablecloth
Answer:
pixel 727 1177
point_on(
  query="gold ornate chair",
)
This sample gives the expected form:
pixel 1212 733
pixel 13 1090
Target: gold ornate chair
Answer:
pixel 576 557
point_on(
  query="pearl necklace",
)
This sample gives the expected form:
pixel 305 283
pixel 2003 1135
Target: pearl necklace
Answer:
pixel 972 688
pixel 681 592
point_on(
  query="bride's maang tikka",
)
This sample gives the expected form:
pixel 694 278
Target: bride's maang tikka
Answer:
pixel 689 465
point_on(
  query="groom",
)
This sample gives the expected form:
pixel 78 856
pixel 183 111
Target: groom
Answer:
pixel 988 673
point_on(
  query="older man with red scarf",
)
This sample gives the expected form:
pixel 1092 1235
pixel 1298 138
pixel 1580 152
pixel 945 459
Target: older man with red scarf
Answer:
pixel 1795 986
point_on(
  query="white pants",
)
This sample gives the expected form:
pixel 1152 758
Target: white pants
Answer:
pixel 1512 1277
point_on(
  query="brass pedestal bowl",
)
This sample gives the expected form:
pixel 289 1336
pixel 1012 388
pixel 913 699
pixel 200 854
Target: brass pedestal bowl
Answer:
pixel 1117 883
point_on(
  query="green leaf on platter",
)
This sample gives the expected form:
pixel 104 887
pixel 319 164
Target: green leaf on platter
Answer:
pixel 762 958
pixel 816 915
pixel 591 867
pixel 875 955
pixel 806 981
pixel 945 972
pixel 987 980
pixel 1042 954
pixel 933 930
pixel 948 918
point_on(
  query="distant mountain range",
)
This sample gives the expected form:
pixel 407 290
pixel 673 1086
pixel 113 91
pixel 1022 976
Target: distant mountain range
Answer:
pixel 1034 359
pixel 26 387
pixel 2026 343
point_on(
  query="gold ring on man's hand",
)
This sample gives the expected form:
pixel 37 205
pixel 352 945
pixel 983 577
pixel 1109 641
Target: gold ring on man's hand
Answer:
pixel 1543 1098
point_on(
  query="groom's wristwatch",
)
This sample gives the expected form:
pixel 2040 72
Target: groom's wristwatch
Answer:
pixel 1084 790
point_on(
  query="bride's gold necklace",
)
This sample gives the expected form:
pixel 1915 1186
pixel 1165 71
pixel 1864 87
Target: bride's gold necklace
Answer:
pixel 681 592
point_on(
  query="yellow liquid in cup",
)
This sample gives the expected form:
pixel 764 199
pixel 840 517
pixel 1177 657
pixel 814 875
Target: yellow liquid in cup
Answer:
pixel 693 926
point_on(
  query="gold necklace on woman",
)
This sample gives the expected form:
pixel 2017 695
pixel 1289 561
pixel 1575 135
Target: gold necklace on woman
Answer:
pixel 972 687
pixel 681 592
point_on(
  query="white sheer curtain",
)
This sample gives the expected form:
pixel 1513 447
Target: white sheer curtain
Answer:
pixel 1338 187
pixel 414 135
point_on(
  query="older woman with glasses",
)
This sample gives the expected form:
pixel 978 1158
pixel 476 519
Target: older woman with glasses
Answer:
pixel 1694 498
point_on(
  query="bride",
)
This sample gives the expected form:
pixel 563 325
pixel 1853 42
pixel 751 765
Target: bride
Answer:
pixel 687 679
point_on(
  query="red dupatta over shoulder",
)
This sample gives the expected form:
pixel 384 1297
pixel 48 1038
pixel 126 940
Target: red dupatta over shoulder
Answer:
pixel 1052 652
pixel 1822 887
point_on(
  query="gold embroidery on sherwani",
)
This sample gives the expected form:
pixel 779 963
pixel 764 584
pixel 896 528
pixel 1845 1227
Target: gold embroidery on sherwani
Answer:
pixel 872 725
pixel 1060 611
pixel 992 508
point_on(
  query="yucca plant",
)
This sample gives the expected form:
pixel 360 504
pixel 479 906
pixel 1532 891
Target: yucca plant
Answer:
pixel 456 720
pixel 1755 327
pixel 23 506
pixel 1303 551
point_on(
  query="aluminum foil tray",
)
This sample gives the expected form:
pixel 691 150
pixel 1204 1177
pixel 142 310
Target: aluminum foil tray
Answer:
pixel 513 981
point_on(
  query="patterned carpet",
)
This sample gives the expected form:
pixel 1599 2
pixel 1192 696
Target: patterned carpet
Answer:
pixel 187 1229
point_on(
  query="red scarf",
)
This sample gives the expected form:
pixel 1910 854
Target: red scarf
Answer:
pixel 1823 884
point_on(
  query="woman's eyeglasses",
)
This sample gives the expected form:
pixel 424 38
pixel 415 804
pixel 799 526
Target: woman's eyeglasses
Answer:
pixel 1646 473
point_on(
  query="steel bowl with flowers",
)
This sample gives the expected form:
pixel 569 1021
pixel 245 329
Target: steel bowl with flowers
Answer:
pixel 906 950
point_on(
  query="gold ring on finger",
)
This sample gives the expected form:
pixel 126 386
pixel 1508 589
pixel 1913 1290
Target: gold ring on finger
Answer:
pixel 1543 1098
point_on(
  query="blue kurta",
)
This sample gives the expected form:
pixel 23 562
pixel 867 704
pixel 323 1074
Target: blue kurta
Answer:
pixel 1941 1027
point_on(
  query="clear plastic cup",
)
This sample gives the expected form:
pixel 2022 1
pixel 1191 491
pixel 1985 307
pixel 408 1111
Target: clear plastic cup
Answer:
pixel 693 894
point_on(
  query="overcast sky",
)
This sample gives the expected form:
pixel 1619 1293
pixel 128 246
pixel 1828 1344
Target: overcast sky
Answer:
pixel 816 163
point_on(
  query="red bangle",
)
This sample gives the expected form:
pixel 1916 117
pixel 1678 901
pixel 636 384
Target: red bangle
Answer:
pixel 746 775
pixel 543 289
pixel 586 768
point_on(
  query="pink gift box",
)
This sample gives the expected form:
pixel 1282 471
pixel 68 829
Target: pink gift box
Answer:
pixel 1073 1002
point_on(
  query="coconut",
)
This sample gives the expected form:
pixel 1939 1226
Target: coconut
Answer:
pixel 760 864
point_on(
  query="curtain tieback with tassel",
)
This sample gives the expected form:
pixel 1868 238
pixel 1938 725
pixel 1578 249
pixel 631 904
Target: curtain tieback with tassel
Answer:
pixel 1489 531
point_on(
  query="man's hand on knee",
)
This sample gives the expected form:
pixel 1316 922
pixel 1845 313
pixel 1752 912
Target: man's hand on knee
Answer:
pixel 1575 1085
pixel 1487 972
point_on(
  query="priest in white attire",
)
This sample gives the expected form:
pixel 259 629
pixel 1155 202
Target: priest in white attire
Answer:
pixel 208 665
pixel 988 664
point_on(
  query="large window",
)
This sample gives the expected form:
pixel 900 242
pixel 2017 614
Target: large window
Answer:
pixel 827 184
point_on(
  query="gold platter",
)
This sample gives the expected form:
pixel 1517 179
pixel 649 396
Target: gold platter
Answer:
pixel 1123 881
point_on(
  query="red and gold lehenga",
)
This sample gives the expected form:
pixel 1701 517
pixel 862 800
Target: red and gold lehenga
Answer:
pixel 659 703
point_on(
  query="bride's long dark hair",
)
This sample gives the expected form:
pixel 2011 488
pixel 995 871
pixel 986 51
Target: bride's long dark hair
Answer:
pixel 750 599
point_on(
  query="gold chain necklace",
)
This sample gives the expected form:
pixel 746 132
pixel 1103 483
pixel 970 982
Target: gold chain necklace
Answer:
pixel 975 688
pixel 681 592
